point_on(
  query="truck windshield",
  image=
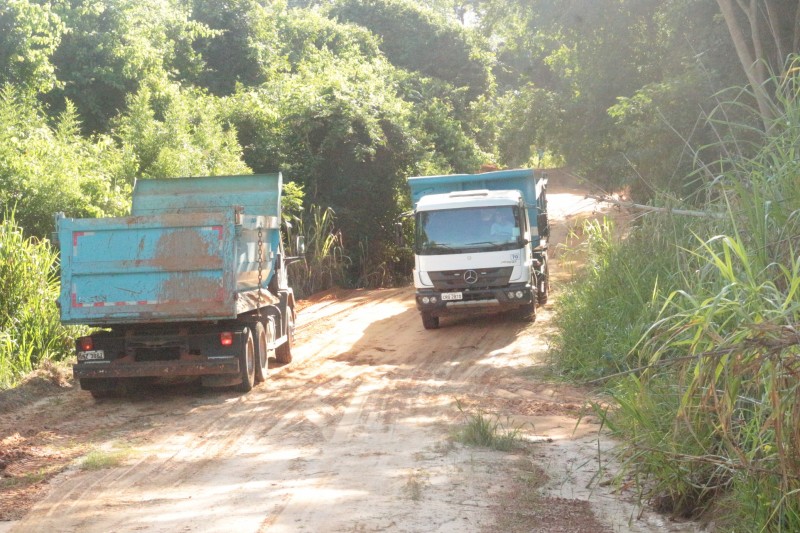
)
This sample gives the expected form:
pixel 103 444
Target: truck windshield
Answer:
pixel 471 229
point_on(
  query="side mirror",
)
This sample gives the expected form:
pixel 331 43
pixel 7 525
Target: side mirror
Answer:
pixel 399 236
pixel 544 225
pixel 300 245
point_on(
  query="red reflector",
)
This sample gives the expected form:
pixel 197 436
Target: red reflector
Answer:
pixel 85 344
pixel 226 338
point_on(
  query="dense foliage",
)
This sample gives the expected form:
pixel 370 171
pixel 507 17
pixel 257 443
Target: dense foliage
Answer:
pixel 672 101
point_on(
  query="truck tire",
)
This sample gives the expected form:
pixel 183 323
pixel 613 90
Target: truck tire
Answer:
pixel 262 354
pixel 429 321
pixel 543 287
pixel 103 394
pixel 247 362
pixel 100 388
pixel 526 313
pixel 283 354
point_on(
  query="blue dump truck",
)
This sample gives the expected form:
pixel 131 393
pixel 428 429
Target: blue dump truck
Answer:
pixel 191 285
pixel 480 243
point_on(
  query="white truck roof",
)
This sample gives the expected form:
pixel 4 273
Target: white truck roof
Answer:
pixel 476 198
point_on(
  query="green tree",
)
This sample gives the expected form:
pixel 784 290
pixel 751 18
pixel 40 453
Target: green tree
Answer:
pixel 582 58
pixel 170 132
pixel 419 40
pixel 46 169
pixel 29 34
pixel 243 47
pixel 110 48
pixel 339 131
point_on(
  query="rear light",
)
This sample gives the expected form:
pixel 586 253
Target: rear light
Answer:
pixel 85 344
pixel 226 338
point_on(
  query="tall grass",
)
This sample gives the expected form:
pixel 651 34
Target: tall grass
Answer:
pixel 30 329
pixel 709 399
pixel 325 263
pixel 483 430
pixel 604 313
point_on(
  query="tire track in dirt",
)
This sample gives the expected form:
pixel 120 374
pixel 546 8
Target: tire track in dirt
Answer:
pixel 405 380
pixel 208 435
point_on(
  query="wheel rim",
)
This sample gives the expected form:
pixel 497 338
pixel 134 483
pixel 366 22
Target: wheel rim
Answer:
pixel 250 356
pixel 290 329
pixel 263 356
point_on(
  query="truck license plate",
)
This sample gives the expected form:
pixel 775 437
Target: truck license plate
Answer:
pixel 450 296
pixel 91 355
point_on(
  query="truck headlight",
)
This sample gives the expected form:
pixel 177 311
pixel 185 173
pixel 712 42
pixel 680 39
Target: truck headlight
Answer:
pixel 510 295
pixel 433 299
pixel 519 294
pixel 426 300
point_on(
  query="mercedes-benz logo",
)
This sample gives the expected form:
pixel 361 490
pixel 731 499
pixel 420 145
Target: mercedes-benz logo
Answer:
pixel 470 276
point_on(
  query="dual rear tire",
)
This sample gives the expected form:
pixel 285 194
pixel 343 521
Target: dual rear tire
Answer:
pixel 263 336
pixel 283 354
pixel 247 360
pixel 255 353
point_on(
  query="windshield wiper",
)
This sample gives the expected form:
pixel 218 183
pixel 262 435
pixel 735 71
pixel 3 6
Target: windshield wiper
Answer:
pixel 437 246
pixel 488 243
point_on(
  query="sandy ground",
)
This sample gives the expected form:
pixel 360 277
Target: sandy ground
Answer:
pixel 356 435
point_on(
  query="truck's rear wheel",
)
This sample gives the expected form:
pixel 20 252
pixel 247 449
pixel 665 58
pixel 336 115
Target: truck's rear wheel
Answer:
pixel 283 354
pixel 247 362
pixel 102 394
pixel 262 355
pixel 544 284
pixel 429 321
pixel 100 388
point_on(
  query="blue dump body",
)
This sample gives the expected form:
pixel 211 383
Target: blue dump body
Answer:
pixel 523 180
pixel 188 252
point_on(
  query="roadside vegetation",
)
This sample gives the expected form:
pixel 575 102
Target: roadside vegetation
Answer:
pixel 691 326
pixel 689 323
pixel 30 330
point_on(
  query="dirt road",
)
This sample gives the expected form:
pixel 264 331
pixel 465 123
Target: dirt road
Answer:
pixel 355 435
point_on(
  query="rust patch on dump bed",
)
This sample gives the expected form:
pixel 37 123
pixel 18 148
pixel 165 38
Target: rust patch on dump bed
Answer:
pixel 190 287
pixel 186 249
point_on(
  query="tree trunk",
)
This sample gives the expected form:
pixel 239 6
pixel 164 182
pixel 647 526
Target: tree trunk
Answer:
pixel 764 34
pixel 747 57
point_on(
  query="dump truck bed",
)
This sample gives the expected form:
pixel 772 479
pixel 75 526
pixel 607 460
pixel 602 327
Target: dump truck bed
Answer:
pixel 189 252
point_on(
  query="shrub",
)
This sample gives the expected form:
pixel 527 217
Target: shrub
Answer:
pixel 30 329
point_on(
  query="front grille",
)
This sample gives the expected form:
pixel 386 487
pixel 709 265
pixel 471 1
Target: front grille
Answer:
pixel 455 279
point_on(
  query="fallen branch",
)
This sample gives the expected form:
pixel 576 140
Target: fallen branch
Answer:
pixel 651 208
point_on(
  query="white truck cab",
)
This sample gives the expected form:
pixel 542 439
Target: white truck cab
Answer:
pixel 477 250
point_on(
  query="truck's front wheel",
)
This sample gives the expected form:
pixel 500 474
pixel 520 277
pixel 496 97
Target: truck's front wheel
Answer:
pixel 283 354
pixel 527 312
pixel 429 321
pixel 247 361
